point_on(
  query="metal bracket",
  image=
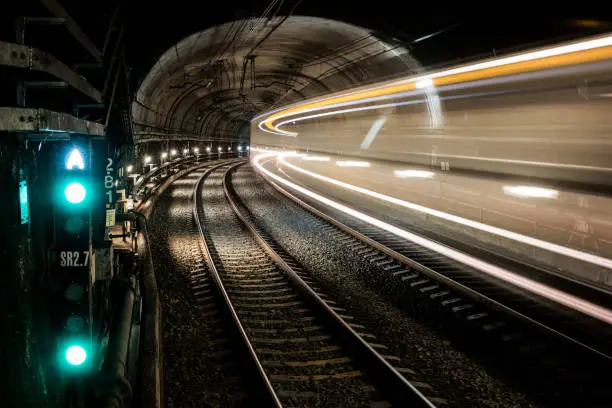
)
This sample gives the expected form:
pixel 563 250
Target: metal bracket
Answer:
pixel 23 56
pixel 56 9
pixel 43 120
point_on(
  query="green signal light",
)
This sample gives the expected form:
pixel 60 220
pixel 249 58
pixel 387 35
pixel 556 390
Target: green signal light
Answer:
pixel 76 355
pixel 75 192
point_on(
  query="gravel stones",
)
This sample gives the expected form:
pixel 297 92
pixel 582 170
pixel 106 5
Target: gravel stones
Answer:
pixel 197 369
pixel 461 381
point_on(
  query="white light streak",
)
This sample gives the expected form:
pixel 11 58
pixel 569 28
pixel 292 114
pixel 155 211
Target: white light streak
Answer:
pixel 559 249
pixel 427 80
pixel 538 288
pixel 413 174
pixel 351 163
pixel 530 192
pixel 376 126
pixel 424 83
pixel 316 158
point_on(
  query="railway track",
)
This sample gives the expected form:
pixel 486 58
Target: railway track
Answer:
pixel 458 286
pixel 306 349
pixel 506 321
pixel 199 347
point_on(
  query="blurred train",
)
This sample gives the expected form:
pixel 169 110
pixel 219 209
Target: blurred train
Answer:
pixel 544 113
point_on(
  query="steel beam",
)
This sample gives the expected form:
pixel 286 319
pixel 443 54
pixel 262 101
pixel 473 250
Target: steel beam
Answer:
pixel 43 120
pixel 58 11
pixel 46 20
pixel 45 84
pixel 23 56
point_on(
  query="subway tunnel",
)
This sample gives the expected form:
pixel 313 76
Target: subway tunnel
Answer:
pixel 304 203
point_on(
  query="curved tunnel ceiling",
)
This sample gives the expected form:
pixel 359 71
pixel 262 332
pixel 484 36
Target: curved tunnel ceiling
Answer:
pixel 203 88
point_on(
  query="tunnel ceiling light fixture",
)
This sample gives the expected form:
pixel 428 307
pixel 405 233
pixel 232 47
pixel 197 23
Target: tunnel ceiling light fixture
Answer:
pixel 414 174
pixel 531 192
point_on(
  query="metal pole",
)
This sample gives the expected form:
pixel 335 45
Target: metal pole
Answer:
pixel 118 391
pixel 252 57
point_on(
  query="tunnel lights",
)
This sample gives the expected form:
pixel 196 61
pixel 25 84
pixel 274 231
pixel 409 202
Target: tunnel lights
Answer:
pixel 164 155
pixel 239 148
pixel 220 148
pixel 75 192
pixel 76 355
pixel 208 149
pixel 196 150
pixel 229 148
pixel 316 158
pixel 530 192
pixel 413 174
pixel 173 152
pixel 75 159
pixel 185 151
pixel 351 163
pixel 147 159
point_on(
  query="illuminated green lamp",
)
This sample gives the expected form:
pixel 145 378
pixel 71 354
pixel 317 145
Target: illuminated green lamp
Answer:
pixel 76 355
pixel 75 192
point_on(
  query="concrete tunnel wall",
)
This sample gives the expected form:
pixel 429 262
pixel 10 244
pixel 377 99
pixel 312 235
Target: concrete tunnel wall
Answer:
pixel 201 88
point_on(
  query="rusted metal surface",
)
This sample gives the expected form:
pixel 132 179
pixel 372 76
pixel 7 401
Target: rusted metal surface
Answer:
pixel 43 120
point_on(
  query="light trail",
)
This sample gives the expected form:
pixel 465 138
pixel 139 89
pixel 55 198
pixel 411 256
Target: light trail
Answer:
pixel 538 243
pixel 530 285
pixel 585 51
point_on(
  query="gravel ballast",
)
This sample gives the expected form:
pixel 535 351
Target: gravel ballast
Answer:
pixel 197 369
pixel 457 378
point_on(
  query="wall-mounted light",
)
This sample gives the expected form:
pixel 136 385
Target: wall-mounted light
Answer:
pixel 350 163
pixel 530 192
pixel 413 174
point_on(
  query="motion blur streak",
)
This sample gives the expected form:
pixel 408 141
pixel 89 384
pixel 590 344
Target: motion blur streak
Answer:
pixel 376 126
pixel 540 289
pixel 572 253
pixel 570 54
